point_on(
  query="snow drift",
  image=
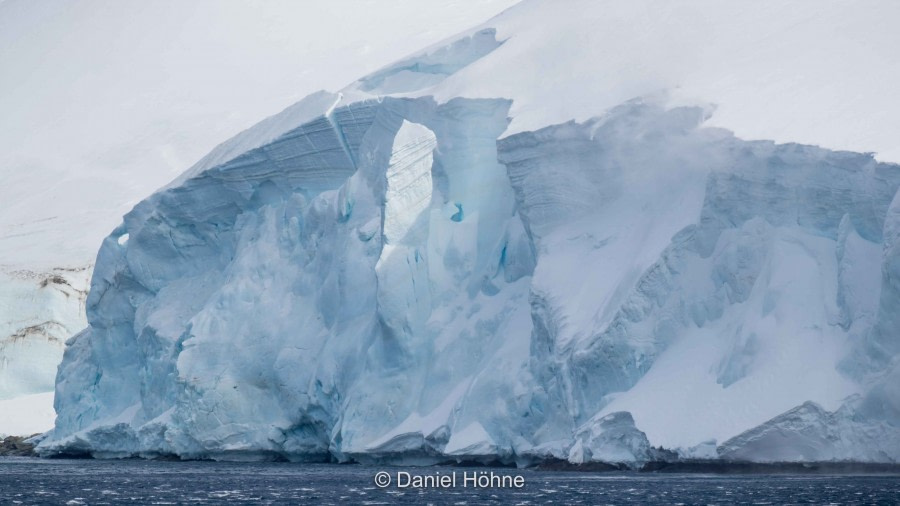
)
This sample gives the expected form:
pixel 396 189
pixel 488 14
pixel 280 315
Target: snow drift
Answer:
pixel 409 272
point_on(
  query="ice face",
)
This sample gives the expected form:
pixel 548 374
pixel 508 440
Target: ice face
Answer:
pixel 374 285
pixel 878 349
pixel 866 427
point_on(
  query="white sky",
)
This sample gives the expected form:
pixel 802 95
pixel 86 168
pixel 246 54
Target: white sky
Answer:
pixel 102 102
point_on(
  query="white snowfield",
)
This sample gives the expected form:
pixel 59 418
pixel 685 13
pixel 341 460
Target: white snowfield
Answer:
pixel 534 240
pixel 39 311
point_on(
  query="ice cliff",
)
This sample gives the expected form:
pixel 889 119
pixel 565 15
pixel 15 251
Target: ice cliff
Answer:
pixel 406 271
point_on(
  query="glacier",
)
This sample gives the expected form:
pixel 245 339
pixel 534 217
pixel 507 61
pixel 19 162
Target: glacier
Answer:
pixel 412 271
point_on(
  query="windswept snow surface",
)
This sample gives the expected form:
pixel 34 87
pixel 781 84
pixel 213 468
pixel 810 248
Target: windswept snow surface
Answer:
pixel 531 240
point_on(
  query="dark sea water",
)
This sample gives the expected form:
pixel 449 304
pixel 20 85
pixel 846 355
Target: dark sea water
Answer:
pixel 33 481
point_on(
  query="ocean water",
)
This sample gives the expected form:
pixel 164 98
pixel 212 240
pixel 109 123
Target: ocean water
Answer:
pixel 71 482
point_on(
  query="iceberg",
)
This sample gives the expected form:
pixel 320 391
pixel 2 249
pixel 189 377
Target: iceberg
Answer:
pixel 612 439
pixel 420 269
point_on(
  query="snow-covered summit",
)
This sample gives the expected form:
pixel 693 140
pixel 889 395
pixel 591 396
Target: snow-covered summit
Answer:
pixel 531 240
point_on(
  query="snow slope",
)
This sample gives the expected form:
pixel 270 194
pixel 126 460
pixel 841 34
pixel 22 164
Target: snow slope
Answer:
pixel 27 414
pixel 103 103
pixel 531 240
